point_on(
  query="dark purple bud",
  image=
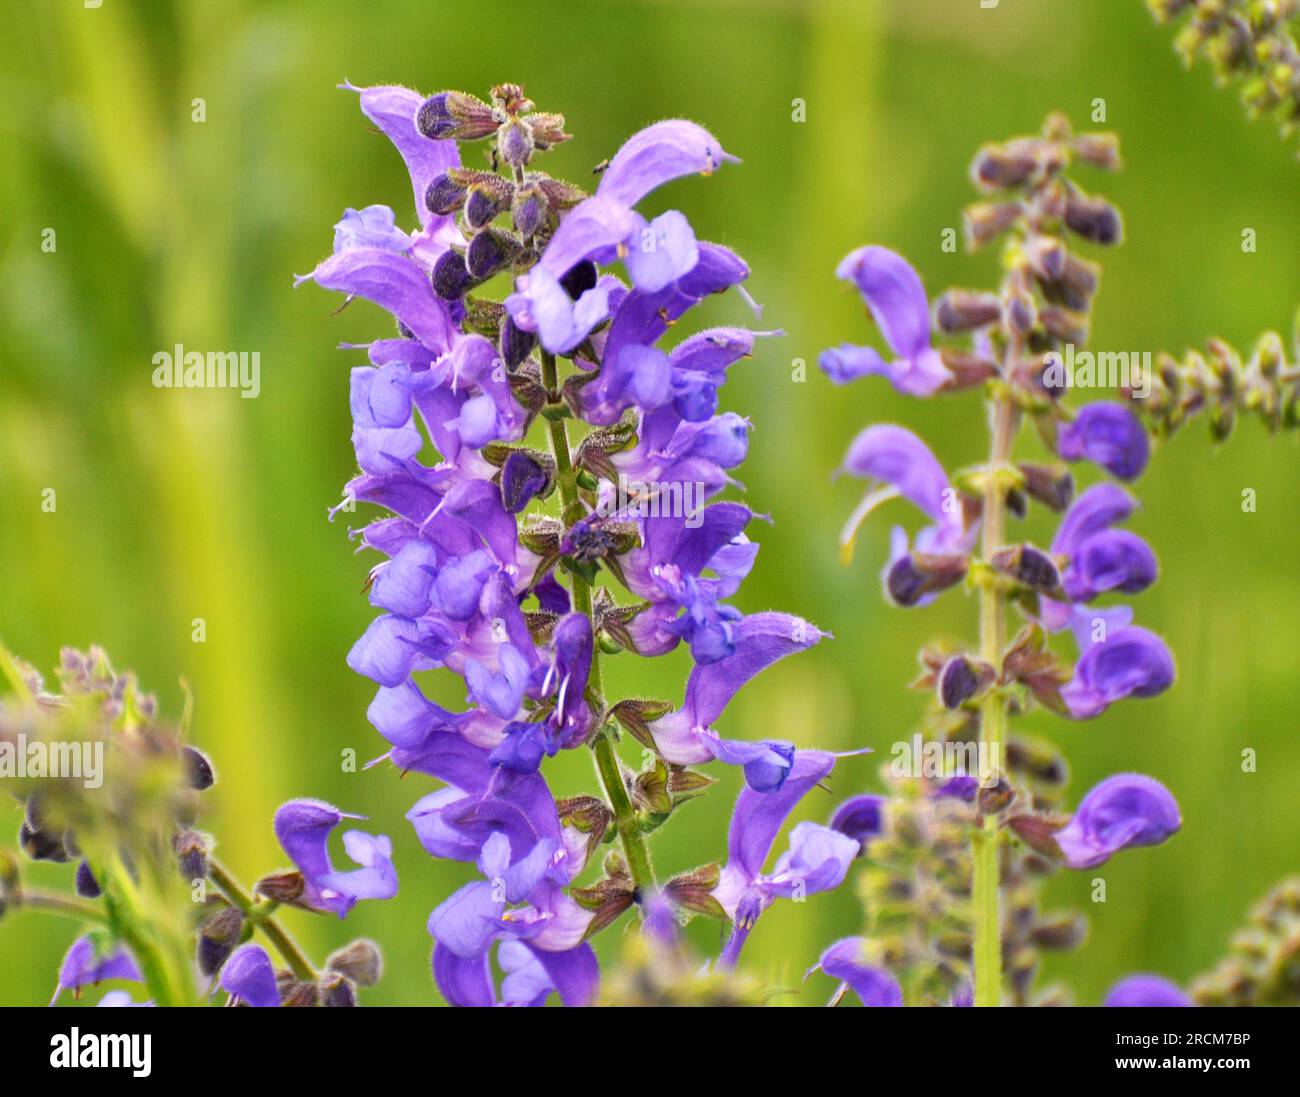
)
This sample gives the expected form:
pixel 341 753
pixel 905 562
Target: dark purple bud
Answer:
pixel 1126 810
pixel 481 206
pixel 1029 566
pixel 1046 256
pixel 488 252
pixel 529 210
pixel 41 845
pixel 218 937
pixel 451 278
pixel 444 195
pixel 337 991
pixel 985 221
pixel 523 478
pixel 85 883
pixel 1021 312
pixel 912 577
pixel 861 818
pixel 198 769
pixel 361 961
pixel 1094 219
pixel 514 343
pixel 515 142
pixel 961 310
pixel 1113 559
pixel 1051 485
pixel 579 278
pixel 455 115
pixel 998 167
pixel 961 679
pixel 192 853
pixel 1110 435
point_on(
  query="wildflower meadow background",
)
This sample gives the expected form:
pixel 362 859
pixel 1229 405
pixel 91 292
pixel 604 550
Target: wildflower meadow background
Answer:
pixel 190 155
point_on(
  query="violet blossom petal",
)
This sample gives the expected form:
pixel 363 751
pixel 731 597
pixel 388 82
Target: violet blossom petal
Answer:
pixel 1110 435
pixel 249 976
pixel 1146 990
pixel 656 155
pixel 1126 810
pixel 845 960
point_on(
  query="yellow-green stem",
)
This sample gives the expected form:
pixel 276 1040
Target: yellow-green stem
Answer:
pixel 993 641
pixel 285 945
pixel 602 747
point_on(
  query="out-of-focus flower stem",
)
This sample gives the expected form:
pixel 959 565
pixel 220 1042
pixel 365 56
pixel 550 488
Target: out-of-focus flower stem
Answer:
pixel 285 945
pixel 607 764
pixel 993 640
pixel 55 903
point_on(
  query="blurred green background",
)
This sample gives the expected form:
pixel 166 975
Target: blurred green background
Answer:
pixel 173 505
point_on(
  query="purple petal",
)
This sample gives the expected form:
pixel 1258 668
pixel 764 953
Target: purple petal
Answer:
pixel 1146 990
pixel 896 456
pixel 895 295
pixel 861 818
pixel 662 251
pixel 1129 663
pixel 464 981
pixel 1110 435
pixel 249 976
pixel 845 960
pixel 1125 810
pixel 656 155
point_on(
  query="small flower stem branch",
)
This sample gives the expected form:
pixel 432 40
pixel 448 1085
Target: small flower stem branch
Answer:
pixel 993 641
pixel 606 758
pixel 57 903
pixel 285 945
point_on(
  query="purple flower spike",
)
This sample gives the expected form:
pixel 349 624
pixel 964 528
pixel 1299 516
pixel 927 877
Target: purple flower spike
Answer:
pixel 1109 435
pixel 845 960
pixel 1125 810
pixel 1130 662
pixel 249 976
pixel 896 297
pixel 861 818
pixel 303 828
pixel 1146 990
pixel 84 966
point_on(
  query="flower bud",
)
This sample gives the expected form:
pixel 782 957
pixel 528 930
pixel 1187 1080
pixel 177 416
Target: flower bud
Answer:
pixel 337 991
pixel 1094 219
pixel 962 679
pixel 198 769
pixel 41 845
pixel 515 142
pixel 912 577
pixel 299 995
pixel 985 221
pixel 547 129
pixel 451 277
pixel 1051 485
pixel 861 818
pixel 529 210
pixel 444 195
pixel 1029 566
pixel 361 961
pixel 217 939
pixel 489 252
pixel 455 115
pixel 481 207
pixel 961 310
pixel 514 343
pixel 524 476
pixel 999 167
pixel 85 883
pixel 191 851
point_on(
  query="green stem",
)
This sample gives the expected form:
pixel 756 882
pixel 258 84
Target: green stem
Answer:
pixel 993 641
pixel 262 919
pixel 602 747
pixel 164 962
pixel 57 903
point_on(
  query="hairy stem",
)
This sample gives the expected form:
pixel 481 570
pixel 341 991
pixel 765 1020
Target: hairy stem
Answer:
pixel 602 747
pixel 57 903
pixel 993 641
pixel 285 945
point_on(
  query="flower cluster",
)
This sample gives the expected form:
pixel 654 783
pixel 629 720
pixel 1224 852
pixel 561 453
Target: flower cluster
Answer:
pixel 484 578
pixel 1009 343
pixel 162 908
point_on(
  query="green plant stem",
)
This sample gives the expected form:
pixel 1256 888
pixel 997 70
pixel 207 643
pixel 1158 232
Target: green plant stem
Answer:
pixel 602 747
pixel 56 903
pixel 993 641
pixel 285 945
pixel 165 963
